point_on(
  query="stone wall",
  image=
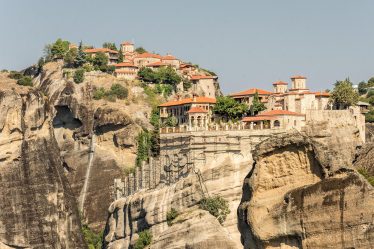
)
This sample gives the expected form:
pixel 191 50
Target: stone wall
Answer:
pixel 183 153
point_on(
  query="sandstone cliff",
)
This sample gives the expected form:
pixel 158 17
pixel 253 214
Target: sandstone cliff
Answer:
pixel 295 197
pixel 297 188
pixel 37 207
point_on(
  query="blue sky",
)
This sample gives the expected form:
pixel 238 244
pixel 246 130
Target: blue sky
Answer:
pixel 247 43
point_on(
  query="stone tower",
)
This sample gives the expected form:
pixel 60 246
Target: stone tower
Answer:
pixel 298 83
pixel 127 47
pixel 280 87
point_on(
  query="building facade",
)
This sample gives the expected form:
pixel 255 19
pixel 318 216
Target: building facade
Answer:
pixel 111 54
pixel 193 113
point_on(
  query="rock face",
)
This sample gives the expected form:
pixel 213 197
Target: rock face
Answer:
pixel 77 118
pixel 293 199
pixel 38 209
pixel 193 228
pixel 299 187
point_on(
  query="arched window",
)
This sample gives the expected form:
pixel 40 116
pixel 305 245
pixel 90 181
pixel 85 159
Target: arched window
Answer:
pixel 276 123
pixel 294 123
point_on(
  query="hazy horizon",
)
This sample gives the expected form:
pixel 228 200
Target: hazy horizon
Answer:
pixel 248 44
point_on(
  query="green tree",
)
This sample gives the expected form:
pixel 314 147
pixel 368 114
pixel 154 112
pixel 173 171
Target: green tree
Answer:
pixel 59 49
pixel 120 91
pixel 144 145
pixel 79 75
pixel 41 63
pixel 257 106
pixel 99 93
pixel 369 117
pixel 343 95
pixel 167 75
pixel 370 82
pixel 140 50
pixel 70 57
pixel 155 136
pixel 80 59
pixel 147 75
pixel 120 56
pixel 171 121
pixel 110 45
pixel 371 100
pixel 362 87
pixel 370 93
pixel 100 61
pixel 227 106
pixel 25 81
pixel 187 84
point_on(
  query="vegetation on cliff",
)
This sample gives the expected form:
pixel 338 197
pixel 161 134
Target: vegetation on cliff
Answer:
pixel 145 239
pixel 343 95
pixel 216 206
pixel 115 91
pixel 171 215
pixel 92 239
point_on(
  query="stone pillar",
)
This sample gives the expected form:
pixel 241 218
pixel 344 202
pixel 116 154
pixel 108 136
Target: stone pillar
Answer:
pixel 261 125
pixel 251 126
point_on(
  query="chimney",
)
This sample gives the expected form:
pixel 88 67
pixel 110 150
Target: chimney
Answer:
pixel 194 96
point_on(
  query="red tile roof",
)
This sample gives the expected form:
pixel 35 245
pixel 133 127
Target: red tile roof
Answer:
pixel 203 100
pixel 298 77
pixel 251 91
pixel 280 83
pixel 97 50
pixel 280 112
pixel 127 43
pixel 322 94
pixel 197 110
pixel 257 118
pixel 149 55
pixel 201 77
pixel 125 64
pixel 157 64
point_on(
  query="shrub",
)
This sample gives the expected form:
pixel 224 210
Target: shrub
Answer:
pixel 171 215
pixel 187 84
pixel 145 239
pixel 25 81
pixel 99 93
pixel 369 117
pixel 370 93
pixel 88 67
pixel 118 90
pixel 92 239
pixel 79 75
pixel 216 206
pixel 15 75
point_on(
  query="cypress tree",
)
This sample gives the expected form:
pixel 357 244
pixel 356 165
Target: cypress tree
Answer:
pixel 81 56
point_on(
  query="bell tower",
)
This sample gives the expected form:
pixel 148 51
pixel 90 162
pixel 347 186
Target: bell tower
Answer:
pixel 298 83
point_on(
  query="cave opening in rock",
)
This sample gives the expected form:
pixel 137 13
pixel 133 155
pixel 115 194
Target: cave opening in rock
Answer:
pixel 65 119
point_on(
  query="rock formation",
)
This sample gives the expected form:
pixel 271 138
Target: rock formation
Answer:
pixel 295 197
pixel 38 209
